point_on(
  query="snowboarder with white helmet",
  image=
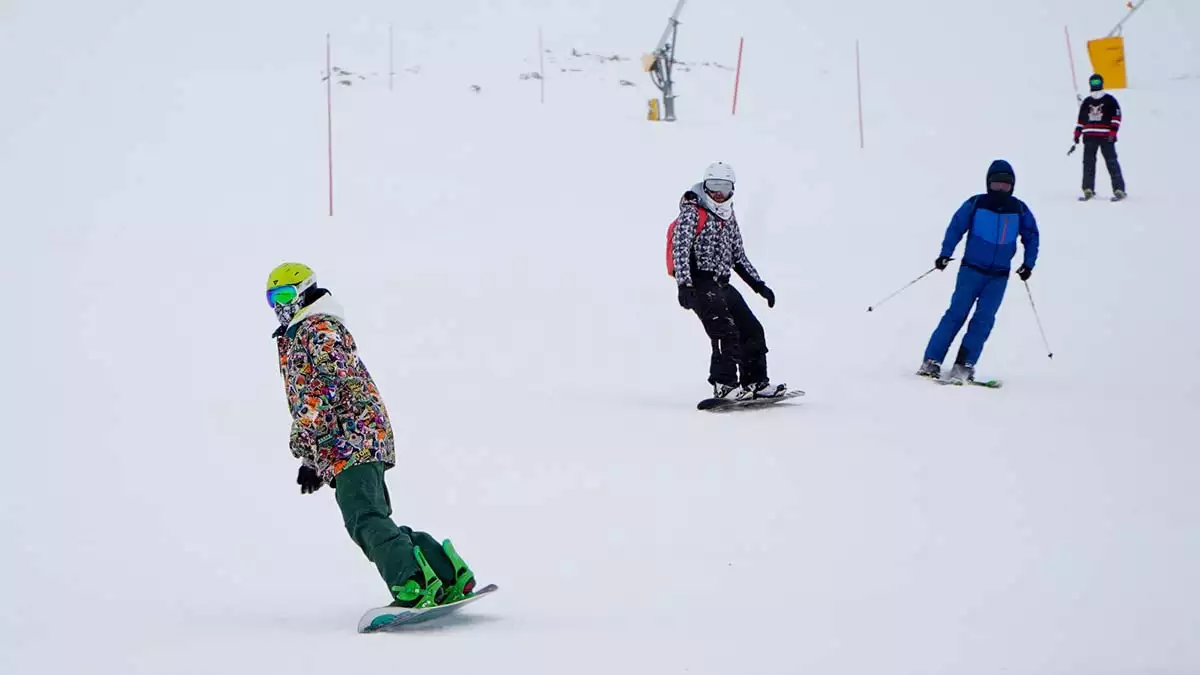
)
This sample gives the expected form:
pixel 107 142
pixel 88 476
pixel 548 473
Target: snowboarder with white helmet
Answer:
pixel 704 244
pixel 342 435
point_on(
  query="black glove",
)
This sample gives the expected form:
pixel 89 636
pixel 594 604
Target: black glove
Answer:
pixel 687 297
pixel 942 261
pixel 767 293
pixel 1024 272
pixel 308 480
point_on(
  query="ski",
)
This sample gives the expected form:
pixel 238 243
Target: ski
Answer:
pixel 729 404
pixel 987 384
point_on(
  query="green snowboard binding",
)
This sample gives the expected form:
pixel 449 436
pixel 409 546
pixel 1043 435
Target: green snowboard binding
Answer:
pixel 464 579
pixel 414 594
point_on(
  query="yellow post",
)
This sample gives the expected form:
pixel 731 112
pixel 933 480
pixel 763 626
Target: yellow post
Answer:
pixel 1108 59
pixel 652 113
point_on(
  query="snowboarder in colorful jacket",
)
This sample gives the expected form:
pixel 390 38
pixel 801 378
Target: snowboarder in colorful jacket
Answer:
pixel 703 245
pixel 992 222
pixel 343 438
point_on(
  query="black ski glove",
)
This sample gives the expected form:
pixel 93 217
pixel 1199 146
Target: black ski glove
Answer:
pixel 1024 272
pixel 767 293
pixel 308 480
pixel 687 297
pixel 942 262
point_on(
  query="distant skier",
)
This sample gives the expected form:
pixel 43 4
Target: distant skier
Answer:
pixel 993 220
pixel 343 437
pixel 1098 124
pixel 704 244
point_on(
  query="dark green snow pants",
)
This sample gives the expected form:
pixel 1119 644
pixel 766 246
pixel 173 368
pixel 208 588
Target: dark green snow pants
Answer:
pixel 362 495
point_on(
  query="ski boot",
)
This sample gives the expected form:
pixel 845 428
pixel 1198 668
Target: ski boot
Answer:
pixel 962 373
pixel 1118 195
pixel 423 590
pixel 464 578
pixel 931 369
pixel 762 389
pixel 1087 195
pixel 723 390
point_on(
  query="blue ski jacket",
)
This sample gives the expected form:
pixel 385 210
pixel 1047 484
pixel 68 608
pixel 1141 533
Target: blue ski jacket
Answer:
pixel 993 222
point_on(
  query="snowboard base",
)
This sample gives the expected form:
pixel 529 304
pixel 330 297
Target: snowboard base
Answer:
pixel 384 619
pixel 728 404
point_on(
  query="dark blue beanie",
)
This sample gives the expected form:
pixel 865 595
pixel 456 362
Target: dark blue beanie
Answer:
pixel 1002 171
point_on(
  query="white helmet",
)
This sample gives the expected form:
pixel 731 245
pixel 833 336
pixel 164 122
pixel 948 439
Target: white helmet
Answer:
pixel 720 171
pixel 719 181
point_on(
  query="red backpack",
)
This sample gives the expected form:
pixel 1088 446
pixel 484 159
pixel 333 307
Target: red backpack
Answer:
pixel 700 222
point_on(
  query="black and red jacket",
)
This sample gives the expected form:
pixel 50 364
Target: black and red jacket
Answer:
pixel 1099 118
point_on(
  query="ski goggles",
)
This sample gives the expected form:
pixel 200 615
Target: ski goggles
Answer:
pixel 1000 186
pixel 719 187
pixel 282 295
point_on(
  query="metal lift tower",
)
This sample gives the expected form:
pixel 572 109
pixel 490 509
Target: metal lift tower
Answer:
pixel 663 61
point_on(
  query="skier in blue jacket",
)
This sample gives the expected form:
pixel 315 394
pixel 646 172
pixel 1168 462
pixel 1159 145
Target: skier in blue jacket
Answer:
pixel 992 222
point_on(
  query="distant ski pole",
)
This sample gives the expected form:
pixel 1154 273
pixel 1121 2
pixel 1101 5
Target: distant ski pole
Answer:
pixel 902 289
pixel 1028 292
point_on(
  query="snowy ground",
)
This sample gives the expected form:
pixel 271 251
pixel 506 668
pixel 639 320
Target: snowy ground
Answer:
pixel 501 265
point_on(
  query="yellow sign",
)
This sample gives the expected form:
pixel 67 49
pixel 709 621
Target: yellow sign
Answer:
pixel 652 113
pixel 1108 59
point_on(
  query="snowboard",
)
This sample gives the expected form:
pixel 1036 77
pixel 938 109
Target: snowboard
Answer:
pixel 729 404
pixel 383 619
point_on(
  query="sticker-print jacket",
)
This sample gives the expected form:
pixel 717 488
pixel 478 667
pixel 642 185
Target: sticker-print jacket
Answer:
pixel 338 416
pixel 717 249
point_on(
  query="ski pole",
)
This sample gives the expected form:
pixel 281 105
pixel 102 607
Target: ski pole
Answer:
pixel 903 288
pixel 1075 145
pixel 1049 353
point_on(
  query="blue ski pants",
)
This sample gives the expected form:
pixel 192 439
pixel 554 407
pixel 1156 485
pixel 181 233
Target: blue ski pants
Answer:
pixel 973 289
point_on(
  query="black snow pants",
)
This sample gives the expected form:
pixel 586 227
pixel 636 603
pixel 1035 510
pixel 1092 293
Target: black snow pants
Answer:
pixel 1109 150
pixel 739 345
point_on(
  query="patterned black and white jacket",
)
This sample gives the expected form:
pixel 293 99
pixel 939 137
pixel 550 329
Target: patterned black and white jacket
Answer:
pixel 717 249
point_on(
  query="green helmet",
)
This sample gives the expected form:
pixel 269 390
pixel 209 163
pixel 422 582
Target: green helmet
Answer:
pixel 286 285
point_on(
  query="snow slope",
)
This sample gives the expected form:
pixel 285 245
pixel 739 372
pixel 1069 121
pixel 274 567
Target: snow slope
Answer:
pixel 501 266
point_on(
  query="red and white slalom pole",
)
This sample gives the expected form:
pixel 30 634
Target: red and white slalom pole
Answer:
pixel 858 75
pixel 737 79
pixel 1071 58
pixel 329 112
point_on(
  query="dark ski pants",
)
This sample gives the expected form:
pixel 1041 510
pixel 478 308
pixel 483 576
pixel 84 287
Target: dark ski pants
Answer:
pixel 973 288
pixel 739 345
pixel 362 495
pixel 1109 150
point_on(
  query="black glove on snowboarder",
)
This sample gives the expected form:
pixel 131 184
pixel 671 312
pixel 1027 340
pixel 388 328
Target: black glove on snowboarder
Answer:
pixel 1024 272
pixel 687 297
pixel 308 480
pixel 942 262
pixel 767 293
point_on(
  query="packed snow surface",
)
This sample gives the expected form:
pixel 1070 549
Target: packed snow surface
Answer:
pixel 500 260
